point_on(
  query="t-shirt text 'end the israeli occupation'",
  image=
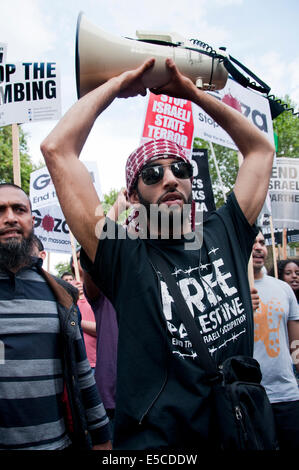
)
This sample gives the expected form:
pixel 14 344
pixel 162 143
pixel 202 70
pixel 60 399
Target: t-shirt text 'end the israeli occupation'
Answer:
pixel 213 301
pixel 169 118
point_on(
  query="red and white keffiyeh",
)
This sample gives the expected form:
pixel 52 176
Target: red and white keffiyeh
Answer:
pixel 152 150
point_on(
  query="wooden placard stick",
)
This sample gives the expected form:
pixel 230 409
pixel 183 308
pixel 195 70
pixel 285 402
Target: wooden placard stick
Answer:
pixel 16 154
pixel 74 253
pixel 273 247
pixel 284 243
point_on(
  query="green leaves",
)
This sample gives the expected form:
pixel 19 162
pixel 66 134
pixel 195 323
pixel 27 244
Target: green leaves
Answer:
pixel 6 161
pixel 286 126
pixel 227 160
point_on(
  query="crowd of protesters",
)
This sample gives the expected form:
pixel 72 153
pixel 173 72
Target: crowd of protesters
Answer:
pixel 104 362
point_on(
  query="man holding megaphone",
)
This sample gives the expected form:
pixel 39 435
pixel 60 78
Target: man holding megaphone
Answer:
pixel 162 392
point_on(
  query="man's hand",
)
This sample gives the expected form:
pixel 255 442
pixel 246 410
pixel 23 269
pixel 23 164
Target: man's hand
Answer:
pixel 178 86
pixel 78 285
pixel 255 300
pixel 130 82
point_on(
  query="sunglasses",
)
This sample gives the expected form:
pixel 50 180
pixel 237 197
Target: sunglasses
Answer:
pixel 153 174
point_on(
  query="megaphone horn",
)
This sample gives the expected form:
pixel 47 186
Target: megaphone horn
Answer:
pixel 101 56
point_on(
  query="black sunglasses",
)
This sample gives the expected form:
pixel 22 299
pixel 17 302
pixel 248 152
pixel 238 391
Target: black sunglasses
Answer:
pixel 153 174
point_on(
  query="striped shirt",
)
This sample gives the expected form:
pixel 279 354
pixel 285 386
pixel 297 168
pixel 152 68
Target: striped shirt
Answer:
pixel 31 376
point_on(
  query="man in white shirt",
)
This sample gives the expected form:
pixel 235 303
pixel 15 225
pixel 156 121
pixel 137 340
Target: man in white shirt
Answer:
pixel 276 327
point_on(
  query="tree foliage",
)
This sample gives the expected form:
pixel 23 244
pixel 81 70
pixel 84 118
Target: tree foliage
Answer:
pixel 227 160
pixel 286 126
pixel 6 160
pixel 62 267
pixel 109 199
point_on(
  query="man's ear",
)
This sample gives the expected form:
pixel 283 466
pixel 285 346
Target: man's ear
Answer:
pixel 33 219
pixel 134 198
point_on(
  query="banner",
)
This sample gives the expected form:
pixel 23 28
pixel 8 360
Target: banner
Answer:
pixel 42 189
pixel 169 118
pixel 202 192
pixel 292 236
pixel 29 91
pixel 3 52
pixel 284 193
pixel 51 228
pixel 266 212
pixel 252 105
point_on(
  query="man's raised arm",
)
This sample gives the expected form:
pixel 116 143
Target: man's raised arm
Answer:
pixel 62 147
pixel 253 177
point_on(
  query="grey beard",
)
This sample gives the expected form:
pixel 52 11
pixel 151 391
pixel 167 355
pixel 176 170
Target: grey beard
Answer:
pixel 15 254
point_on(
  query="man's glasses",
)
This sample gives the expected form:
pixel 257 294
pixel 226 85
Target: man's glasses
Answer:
pixel 153 174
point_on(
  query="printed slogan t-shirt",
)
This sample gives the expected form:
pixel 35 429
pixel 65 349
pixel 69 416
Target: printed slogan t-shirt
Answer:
pixel 161 395
pixel 278 306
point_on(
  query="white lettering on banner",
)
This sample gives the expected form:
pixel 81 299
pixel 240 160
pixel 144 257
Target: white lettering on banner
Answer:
pixel 172 111
pixel 160 133
pixel 170 123
pixel 169 118
pixel 217 316
pixel 198 195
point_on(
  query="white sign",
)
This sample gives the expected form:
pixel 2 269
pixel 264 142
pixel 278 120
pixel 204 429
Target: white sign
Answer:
pixel 29 91
pixel 51 228
pixel 42 189
pixel 3 52
pixel 252 105
pixel 284 193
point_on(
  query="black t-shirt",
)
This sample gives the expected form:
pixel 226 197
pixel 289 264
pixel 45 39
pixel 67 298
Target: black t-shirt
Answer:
pixel 162 399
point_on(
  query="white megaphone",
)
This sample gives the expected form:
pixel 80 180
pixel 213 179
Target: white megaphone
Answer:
pixel 100 56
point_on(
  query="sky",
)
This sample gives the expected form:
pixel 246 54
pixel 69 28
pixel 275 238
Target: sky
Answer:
pixel 262 34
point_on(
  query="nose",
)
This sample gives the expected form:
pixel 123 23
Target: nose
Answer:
pixel 9 216
pixel 169 180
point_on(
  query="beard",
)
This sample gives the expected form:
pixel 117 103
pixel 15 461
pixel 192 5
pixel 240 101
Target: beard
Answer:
pixel 167 221
pixel 15 253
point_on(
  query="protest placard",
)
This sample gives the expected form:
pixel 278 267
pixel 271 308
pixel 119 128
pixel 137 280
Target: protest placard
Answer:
pixel 202 193
pixel 3 52
pixel 51 228
pixel 251 104
pixel 284 193
pixel 169 118
pixel 42 189
pixel 29 91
